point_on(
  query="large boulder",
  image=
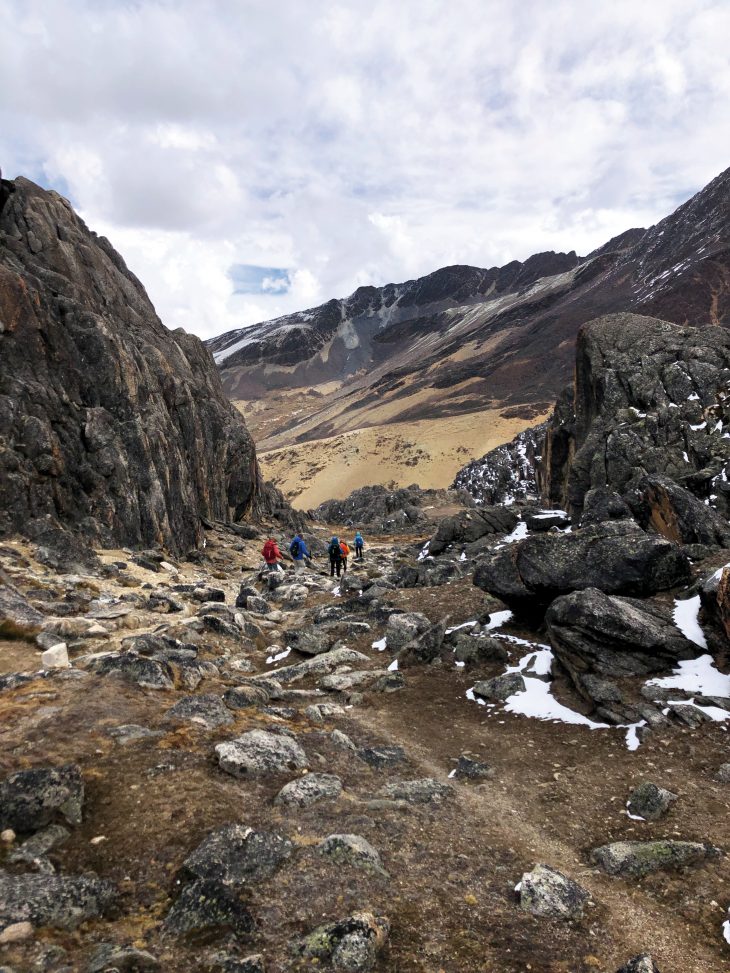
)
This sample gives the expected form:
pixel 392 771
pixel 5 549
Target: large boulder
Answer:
pixel 98 400
pixel 592 632
pixel 617 558
pixel 208 904
pixel 471 525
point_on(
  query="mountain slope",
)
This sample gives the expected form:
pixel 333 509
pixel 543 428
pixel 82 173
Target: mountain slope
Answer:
pixel 109 423
pixel 465 341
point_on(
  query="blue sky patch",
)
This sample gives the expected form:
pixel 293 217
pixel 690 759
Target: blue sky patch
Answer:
pixel 251 279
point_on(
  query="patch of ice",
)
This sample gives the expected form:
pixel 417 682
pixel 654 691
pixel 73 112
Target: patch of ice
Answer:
pixel 538 702
pixel 336 592
pixel 685 615
pixel 424 551
pixel 463 556
pixel 726 929
pixel 279 656
pixel 393 667
pixel 497 620
pixel 452 774
pixel 693 398
pixel 696 676
pixel 475 699
pixel 460 664
pixel 634 817
pixel 380 644
pixel 685 457
pixel 699 426
pixel 544 514
pixel 637 413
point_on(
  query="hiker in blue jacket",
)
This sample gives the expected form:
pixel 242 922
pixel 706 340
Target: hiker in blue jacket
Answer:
pixel 298 551
pixel 359 544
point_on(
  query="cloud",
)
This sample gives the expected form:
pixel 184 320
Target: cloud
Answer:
pixel 253 159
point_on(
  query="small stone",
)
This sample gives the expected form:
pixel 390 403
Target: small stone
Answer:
pixel 469 769
pixel 208 710
pixel 108 957
pixel 131 732
pixel 640 964
pixel 320 712
pixel 423 791
pixel 381 757
pixel 548 893
pixel 98 839
pixel 341 740
pixel 309 790
pixel 241 697
pixel 56 657
pixel 501 687
pixel 352 849
pixel 16 933
pixel 722 774
pixel 352 944
pixel 649 801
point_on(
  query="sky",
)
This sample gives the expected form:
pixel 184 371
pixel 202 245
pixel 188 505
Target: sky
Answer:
pixel 250 159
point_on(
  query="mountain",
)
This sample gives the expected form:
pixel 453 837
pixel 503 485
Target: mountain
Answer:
pixel 109 423
pixel 409 381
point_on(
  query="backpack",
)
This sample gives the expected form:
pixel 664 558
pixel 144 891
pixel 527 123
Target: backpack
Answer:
pixel 294 548
pixel 335 550
pixel 269 551
pixel 344 548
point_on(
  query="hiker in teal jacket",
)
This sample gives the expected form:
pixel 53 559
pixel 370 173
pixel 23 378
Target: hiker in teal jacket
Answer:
pixel 359 544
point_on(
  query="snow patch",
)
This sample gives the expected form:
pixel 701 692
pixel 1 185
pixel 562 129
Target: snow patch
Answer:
pixel 380 644
pixel 278 656
pixel 685 615
pixel 699 676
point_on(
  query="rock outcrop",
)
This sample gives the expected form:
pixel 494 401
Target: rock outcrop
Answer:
pixel 647 420
pixel 109 423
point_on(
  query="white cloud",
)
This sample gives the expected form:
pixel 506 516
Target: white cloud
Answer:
pixel 358 142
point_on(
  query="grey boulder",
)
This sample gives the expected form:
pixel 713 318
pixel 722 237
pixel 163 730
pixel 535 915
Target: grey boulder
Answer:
pixel 352 849
pixel 208 710
pixel 60 901
pixel 310 789
pixel 260 752
pixel 237 855
pixel 548 893
pixel 649 801
pixel 634 859
pixel 423 791
pixel 30 799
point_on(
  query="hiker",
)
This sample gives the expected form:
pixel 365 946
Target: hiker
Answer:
pixel 359 544
pixel 345 554
pixel 298 551
pixel 271 554
pixel 335 554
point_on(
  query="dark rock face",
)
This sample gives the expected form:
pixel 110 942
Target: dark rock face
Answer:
pixel 592 632
pixel 616 558
pixel 209 904
pixel 651 403
pixel 507 473
pixel 109 423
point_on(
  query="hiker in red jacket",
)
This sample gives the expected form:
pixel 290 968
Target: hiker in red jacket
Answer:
pixel 271 554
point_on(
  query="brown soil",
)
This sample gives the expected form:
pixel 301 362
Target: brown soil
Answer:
pixel 558 791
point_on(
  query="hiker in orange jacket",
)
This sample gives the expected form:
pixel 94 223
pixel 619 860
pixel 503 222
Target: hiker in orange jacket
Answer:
pixel 345 554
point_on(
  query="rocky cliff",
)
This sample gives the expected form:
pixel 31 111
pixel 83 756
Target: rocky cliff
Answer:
pixel 649 416
pixel 109 423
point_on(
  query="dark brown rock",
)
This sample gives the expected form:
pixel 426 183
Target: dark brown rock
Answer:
pixel 109 423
